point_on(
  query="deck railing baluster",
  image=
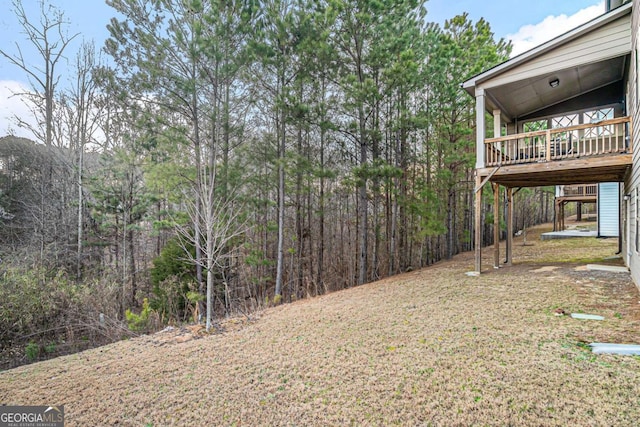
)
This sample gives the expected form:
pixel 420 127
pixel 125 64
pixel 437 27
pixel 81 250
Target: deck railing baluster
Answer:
pixel 606 137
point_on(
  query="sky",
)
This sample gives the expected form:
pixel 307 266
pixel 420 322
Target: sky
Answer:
pixel 527 23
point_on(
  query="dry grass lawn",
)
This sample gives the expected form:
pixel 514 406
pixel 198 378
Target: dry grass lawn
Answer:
pixel 430 347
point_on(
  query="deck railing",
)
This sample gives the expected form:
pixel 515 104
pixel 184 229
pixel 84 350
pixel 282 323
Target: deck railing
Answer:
pixel 594 139
pixel 580 190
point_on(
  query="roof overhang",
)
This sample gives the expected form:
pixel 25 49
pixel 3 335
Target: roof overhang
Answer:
pixel 587 58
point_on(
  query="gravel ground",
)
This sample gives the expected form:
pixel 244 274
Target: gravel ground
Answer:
pixel 430 347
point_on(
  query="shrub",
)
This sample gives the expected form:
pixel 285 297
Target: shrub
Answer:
pixel 173 277
pixel 50 348
pixel 172 262
pixel 32 351
pixel 44 314
pixel 33 301
pixel 193 298
pixel 146 321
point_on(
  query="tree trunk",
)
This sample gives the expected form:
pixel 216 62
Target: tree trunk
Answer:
pixel 450 223
pixel 132 264
pixel 321 208
pixel 80 203
pixel 280 126
pixel 363 203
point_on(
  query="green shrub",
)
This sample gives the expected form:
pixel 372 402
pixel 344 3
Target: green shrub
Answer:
pixel 193 298
pixel 143 322
pixel 173 277
pixel 173 262
pixel 50 348
pixel 32 351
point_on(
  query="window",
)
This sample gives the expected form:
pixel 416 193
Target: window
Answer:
pixel 563 122
pixel 595 117
pixel 535 125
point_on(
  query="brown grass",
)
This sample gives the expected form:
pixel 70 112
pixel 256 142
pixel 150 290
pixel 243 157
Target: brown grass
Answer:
pixel 431 347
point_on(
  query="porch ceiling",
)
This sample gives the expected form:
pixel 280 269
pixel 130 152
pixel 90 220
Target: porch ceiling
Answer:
pixel 592 56
pixel 524 97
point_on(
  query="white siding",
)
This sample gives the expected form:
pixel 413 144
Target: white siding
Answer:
pixel 608 209
pixel 610 41
pixel 633 181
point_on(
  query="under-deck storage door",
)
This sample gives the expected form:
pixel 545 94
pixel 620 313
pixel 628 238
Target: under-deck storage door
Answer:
pixel 608 209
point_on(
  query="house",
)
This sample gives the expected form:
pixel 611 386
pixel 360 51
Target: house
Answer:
pixel 563 114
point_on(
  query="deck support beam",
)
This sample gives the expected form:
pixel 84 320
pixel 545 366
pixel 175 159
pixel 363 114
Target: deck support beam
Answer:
pixel 497 133
pixel 480 183
pixel 497 124
pixel 480 128
pixel 509 260
pixel 559 210
pixel 555 215
pixel 478 224
pixel 496 225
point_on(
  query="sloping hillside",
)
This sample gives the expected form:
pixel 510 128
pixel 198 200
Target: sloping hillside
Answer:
pixel 432 347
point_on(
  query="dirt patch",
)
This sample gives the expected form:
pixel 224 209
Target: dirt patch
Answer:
pixel 430 347
pixel 545 269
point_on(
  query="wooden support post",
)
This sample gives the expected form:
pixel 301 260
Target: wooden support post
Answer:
pixel 478 224
pixel 480 128
pixel 497 124
pixel 579 211
pixel 496 225
pixel 548 145
pixel 560 216
pixel 497 133
pixel 509 226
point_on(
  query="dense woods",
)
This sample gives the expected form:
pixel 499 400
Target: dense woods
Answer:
pixel 215 157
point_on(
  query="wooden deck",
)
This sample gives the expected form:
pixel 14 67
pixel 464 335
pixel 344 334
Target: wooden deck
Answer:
pixel 572 194
pixel 579 193
pixel 579 190
pixel 582 154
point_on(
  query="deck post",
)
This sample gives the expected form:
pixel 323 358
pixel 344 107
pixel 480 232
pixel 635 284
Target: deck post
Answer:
pixel 496 225
pixel 548 145
pixel 578 211
pixel 497 133
pixel 509 226
pixel 480 163
pixel 497 122
pixel 478 224
pixel 559 204
pixel 480 129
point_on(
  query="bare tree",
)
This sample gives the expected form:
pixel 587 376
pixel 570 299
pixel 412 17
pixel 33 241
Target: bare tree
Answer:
pixel 49 38
pixel 221 220
pixel 81 111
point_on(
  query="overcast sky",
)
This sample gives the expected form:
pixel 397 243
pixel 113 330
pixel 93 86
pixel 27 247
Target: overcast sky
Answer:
pixel 527 23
